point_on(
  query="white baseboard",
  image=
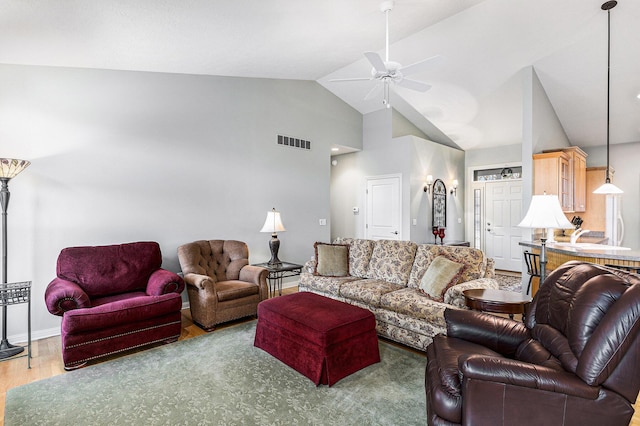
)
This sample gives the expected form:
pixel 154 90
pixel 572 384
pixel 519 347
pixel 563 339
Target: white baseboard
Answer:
pixel 36 335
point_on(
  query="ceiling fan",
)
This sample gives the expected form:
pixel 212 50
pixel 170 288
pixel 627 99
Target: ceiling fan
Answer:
pixel 388 72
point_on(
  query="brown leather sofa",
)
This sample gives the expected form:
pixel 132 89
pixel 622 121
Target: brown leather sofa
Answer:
pixel 576 361
pixel 221 284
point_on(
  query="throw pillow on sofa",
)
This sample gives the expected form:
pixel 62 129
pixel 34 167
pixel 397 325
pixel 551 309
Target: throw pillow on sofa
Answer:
pixel 441 274
pixel 332 260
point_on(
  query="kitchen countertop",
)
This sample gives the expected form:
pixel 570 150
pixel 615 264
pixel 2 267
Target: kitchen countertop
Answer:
pixel 593 240
pixel 632 255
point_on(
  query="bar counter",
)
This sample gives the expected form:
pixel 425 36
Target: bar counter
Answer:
pixel 558 254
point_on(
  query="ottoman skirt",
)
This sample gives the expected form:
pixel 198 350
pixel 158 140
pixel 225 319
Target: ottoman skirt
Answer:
pixel 321 338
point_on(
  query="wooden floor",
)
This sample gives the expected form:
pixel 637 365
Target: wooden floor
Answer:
pixel 47 361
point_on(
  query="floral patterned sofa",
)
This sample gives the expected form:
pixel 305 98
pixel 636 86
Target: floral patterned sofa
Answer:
pixel 384 276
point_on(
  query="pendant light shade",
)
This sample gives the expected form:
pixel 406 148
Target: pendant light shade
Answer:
pixel 608 187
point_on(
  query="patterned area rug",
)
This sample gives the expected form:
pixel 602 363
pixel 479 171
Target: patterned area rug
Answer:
pixel 509 282
pixel 222 379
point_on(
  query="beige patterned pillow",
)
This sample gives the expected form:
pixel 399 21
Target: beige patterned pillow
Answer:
pixel 332 260
pixel 441 274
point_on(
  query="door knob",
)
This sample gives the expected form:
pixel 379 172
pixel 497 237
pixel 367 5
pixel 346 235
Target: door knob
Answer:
pixel 395 232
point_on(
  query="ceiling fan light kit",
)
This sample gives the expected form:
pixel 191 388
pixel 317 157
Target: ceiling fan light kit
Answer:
pixel 388 72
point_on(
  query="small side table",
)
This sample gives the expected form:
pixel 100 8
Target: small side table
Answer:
pixel 278 271
pixel 497 301
pixel 13 294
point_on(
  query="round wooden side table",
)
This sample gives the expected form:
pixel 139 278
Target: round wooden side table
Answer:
pixel 497 301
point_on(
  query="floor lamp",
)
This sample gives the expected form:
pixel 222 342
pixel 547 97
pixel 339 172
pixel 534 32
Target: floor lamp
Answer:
pixel 545 213
pixel 9 168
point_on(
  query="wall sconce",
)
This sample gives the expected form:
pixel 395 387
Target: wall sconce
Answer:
pixel 454 187
pixel 428 183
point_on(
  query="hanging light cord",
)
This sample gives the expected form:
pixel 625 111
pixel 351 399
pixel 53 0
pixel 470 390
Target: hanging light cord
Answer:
pixel 608 180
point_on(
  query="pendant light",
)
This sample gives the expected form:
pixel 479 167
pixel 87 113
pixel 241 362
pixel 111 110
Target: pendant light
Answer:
pixel 608 187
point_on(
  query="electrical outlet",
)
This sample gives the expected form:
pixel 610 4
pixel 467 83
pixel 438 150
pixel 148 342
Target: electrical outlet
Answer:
pixel 323 222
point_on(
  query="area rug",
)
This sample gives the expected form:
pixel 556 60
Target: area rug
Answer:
pixel 221 379
pixel 509 282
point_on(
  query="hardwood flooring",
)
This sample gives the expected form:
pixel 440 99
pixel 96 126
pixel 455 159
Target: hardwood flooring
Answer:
pixel 47 361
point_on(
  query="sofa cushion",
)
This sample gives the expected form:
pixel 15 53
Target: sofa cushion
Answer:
pixel 367 291
pixel 359 255
pixel 332 260
pixel 411 302
pixel 392 261
pixel 473 259
pixel 441 274
pixel 330 285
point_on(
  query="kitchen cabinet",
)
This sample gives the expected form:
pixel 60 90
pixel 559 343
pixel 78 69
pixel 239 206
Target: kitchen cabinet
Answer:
pixel 595 211
pixel 578 166
pixel 563 172
pixel 552 175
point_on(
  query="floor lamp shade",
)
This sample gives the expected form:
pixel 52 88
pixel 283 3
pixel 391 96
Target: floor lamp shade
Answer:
pixel 273 224
pixel 9 168
pixel 545 213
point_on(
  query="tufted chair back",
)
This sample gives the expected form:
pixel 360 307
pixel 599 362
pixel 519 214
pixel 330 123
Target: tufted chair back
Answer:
pixel 586 319
pixel 219 259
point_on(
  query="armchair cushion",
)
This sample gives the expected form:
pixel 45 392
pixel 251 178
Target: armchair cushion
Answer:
pixel 104 270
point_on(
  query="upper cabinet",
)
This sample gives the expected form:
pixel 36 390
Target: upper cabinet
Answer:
pixel 562 172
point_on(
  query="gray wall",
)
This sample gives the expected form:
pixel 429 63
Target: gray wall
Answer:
pixel 411 156
pixel 127 156
pixel 624 161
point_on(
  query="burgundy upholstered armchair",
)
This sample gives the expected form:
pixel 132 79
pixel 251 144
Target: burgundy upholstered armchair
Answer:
pixel 221 284
pixel 576 361
pixel 113 298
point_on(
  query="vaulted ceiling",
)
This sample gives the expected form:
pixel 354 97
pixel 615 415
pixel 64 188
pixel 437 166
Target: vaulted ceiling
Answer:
pixel 476 98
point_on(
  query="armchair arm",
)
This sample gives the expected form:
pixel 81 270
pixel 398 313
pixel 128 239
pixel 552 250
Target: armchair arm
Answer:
pixel 62 296
pixel 499 334
pixel 201 282
pixel 453 296
pixel 256 275
pixel 518 373
pixel 162 281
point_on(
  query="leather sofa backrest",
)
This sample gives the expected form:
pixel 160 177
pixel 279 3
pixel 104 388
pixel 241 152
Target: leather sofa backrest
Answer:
pixel 113 269
pixel 588 317
pixel 221 259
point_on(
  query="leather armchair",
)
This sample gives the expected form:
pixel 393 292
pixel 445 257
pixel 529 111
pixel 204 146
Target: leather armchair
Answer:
pixel 221 284
pixel 113 298
pixel 574 362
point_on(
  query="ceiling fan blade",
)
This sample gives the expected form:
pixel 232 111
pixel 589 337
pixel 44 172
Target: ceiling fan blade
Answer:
pixel 421 66
pixel 376 61
pixel 350 79
pixel 414 85
pixel 373 92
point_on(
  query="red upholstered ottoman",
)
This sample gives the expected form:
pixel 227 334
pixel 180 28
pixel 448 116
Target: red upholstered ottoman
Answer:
pixel 324 339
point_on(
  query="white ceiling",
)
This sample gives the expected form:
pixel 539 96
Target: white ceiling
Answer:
pixel 476 99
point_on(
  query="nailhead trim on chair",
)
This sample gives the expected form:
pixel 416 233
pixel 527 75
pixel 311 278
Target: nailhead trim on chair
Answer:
pixel 122 350
pixel 120 335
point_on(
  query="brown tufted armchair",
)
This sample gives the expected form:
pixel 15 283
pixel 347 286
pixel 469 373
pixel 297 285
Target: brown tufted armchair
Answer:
pixel 221 284
pixel 576 361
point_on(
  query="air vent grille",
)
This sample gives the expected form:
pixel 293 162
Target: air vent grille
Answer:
pixel 292 142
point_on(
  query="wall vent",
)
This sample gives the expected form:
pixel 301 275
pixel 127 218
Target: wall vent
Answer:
pixel 292 142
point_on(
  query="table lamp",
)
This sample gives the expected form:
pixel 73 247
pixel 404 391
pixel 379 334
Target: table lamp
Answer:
pixel 545 213
pixel 273 224
pixel 9 168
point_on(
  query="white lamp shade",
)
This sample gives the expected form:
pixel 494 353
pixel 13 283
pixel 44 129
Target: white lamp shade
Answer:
pixel 608 188
pixel 273 223
pixel 545 212
pixel 10 167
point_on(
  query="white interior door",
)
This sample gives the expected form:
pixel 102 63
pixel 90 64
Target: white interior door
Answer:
pixel 384 209
pixel 503 213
